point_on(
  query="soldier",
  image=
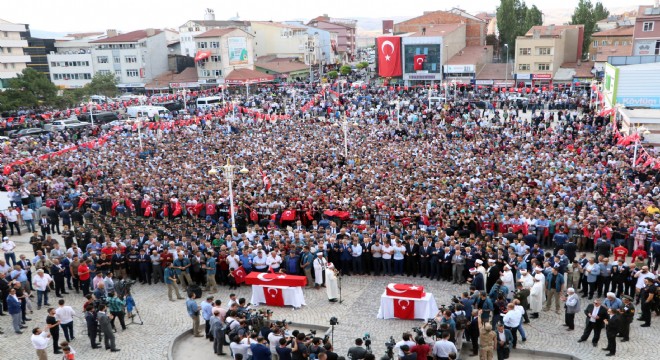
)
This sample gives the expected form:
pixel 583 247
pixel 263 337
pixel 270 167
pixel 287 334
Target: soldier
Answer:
pixel 487 341
pixel 627 316
pixel 521 295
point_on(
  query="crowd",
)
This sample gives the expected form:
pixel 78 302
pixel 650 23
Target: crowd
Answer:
pixel 491 195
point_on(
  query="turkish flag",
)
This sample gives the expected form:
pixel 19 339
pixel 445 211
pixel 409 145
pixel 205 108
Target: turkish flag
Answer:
pixel 129 204
pixel 81 202
pixel 389 56
pixel 239 275
pixel 274 296
pixel 419 62
pixel 177 209
pixel 148 211
pixel 404 308
pixel 201 55
pixel 288 215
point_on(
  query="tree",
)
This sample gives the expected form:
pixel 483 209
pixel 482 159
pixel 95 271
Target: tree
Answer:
pixel 586 14
pixel 515 19
pixel 333 74
pixel 102 84
pixel 345 70
pixel 31 89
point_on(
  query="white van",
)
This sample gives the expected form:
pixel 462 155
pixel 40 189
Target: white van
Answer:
pixel 205 103
pixel 148 111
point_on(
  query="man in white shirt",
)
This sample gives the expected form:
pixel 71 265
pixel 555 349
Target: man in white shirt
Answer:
pixel 8 247
pixel 512 321
pixel 356 253
pixel 12 219
pixel 274 260
pixel 40 283
pixel 65 314
pixel 443 347
pixel 406 340
pixel 40 340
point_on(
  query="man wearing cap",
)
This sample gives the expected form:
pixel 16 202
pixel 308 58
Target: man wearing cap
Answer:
pixel 41 283
pixel 320 263
pixel 572 307
pixel 627 316
pixel 477 280
pixel 8 247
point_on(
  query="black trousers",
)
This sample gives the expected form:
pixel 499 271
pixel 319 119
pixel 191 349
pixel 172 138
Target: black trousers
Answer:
pixel 118 315
pixel 646 312
pixel 569 319
pixel 625 329
pixel 592 288
pixel 55 335
pixel 587 331
pixel 91 333
pixel 611 343
pixel 378 265
pixel 514 333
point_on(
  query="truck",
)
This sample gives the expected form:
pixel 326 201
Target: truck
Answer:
pixel 146 111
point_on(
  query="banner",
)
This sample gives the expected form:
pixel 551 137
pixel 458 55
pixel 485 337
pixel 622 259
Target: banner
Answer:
pixel 237 50
pixel 419 62
pixel 239 275
pixel 389 56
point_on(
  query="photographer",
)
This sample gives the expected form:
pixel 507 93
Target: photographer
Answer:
pixel 302 352
pixel 357 352
pixel 283 351
pixel 116 308
pixel 274 340
pixel 422 349
pixel 406 340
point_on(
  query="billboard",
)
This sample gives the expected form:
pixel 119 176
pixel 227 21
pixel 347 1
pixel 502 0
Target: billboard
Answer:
pixel 237 48
pixel 610 84
pixel 427 48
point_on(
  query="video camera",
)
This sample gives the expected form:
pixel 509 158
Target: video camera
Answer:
pixel 367 342
pixel 123 288
pixel 389 345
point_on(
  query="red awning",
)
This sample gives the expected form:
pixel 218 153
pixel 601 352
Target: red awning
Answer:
pixel 247 76
pixel 202 54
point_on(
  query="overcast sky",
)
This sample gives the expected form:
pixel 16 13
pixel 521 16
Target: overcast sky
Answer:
pixel 128 15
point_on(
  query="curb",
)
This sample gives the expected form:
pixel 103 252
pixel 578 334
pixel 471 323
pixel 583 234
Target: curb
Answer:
pixel 544 353
pixel 170 348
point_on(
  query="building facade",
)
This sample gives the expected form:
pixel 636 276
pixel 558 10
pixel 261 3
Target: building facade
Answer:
pixel 647 31
pixel 345 29
pixel 612 42
pixel 135 58
pixel 283 40
pixel 475 28
pixel 225 50
pixel 12 56
pixel 542 50
pixel 71 64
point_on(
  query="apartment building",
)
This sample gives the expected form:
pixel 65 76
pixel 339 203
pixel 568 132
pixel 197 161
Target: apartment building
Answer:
pixel 346 34
pixel 647 30
pixel 12 56
pixel 192 28
pixel 71 64
pixel 221 51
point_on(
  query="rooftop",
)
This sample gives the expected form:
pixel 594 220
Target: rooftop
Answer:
pixel 232 23
pixel 163 80
pixel 471 55
pixel 583 70
pixel 603 52
pixel 132 36
pixel 620 31
pixel 551 30
pixel 280 25
pixel 493 72
pixel 214 33
pixel 280 65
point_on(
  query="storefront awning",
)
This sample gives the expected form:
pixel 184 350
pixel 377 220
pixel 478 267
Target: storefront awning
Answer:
pixel 247 76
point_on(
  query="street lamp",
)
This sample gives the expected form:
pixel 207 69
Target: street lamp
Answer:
pixel 506 71
pixel 344 127
pixel 228 172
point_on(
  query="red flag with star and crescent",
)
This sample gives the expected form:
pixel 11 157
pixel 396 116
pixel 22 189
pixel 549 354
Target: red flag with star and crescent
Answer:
pixel 274 296
pixel 404 308
pixel 389 56
pixel 419 62
pixel 239 275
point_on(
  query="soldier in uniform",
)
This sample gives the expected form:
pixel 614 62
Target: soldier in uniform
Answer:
pixel 67 234
pixel 627 316
pixel 487 341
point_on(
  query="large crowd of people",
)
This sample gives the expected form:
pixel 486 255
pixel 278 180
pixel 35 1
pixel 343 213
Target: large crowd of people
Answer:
pixel 507 197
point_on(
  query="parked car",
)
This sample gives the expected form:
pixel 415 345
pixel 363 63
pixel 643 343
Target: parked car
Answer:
pixel 112 124
pixel 58 125
pixel 26 132
pixel 100 118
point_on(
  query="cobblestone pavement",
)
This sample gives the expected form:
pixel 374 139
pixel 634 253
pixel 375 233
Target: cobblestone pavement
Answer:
pixel 165 320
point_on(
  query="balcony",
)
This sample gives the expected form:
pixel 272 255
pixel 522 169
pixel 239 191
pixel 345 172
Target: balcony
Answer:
pixel 7 43
pixel 10 59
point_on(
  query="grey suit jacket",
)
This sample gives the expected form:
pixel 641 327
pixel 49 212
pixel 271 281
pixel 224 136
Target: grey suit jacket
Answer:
pixel 105 323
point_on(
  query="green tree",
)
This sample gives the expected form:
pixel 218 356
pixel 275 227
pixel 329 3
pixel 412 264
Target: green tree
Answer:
pixel 515 19
pixel 345 70
pixel 31 89
pixel 533 17
pixel 102 84
pixel 491 39
pixel 586 14
pixel 333 74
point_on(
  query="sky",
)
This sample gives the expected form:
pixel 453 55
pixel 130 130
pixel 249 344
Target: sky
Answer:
pixel 128 15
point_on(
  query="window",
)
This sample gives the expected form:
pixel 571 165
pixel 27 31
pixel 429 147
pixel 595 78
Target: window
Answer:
pixel 116 59
pixel 525 51
pixel 205 73
pixel 543 67
pixel 8 50
pixel 130 59
pixel 616 43
pixel 523 67
pixel 595 43
pixel 132 73
pixel 214 44
pixel 202 45
pixel 545 51
pixel 648 26
pixel 118 73
pixel 5 65
pixel 103 72
pixel 6 34
pixel 604 42
pixel 593 57
pixel 53 64
pixel 217 72
pixel 215 58
pixel 657 47
pixel 102 59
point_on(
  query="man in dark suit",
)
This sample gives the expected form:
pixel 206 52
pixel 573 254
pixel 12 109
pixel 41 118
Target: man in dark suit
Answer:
pixel 54 220
pixel 367 256
pixel 596 314
pixel 412 257
pixel 92 326
pixel 44 224
pixel 612 326
pixel 425 259
pixel 26 265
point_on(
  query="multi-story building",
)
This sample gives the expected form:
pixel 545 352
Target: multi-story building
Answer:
pixel 616 41
pixel 71 64
pixel 135 58
pixel 323 47
pixel 647 30
pixel 475 28
pixel 346 34
pixel 282 40
pixel 192 28
pixel 542 50
pixel 223 51
pixel 12 56
pixel 38 48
